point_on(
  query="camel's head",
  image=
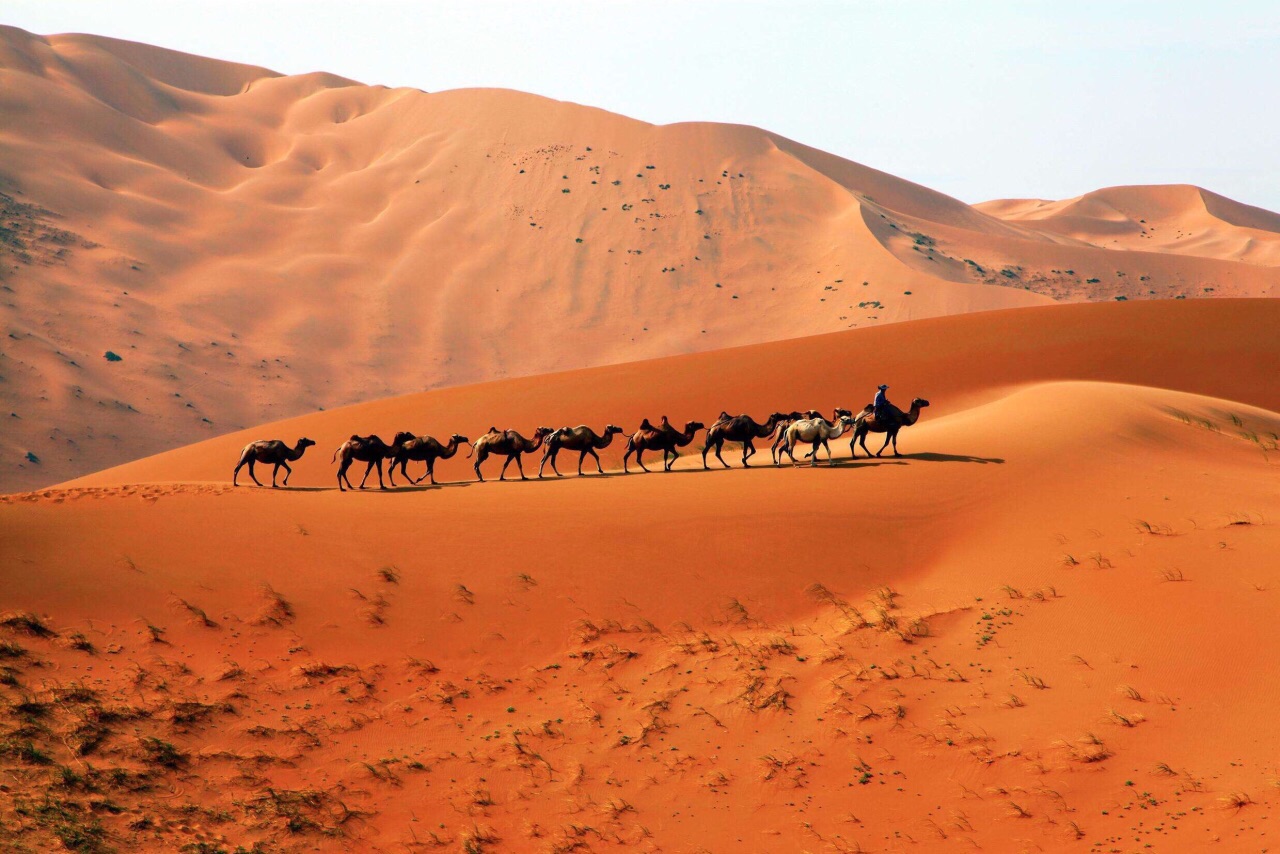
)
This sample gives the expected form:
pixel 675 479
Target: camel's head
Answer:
pixel 611 429
pixel 305 443
pixel 542 432
pixel 920 403
pixel 847 421
pixel 841 413
pixel 694 427
pixel 460 439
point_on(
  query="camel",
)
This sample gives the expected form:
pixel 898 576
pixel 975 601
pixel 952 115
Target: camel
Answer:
pixel 896 420
pixel 426 449
pixel 815 431
pixel 781 438
pixel 271 451
pixel 741 429
pixel 663 437
pixel 510 444
pixel 366 449
pixel 582 439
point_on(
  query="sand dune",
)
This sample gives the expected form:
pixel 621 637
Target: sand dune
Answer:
pixel 254 246
pixel 955 362
pixel 1014 637
pixel 1179 220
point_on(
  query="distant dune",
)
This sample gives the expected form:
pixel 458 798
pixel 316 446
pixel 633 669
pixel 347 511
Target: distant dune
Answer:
pixel 193 246
pixel 1041 628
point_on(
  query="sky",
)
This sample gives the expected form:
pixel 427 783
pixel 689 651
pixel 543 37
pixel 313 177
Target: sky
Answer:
pixel 979 100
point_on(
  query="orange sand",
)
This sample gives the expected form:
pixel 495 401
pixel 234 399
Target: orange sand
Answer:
pixel 1047 627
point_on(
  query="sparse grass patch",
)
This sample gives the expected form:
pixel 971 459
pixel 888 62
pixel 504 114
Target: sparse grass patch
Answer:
pixel 23 622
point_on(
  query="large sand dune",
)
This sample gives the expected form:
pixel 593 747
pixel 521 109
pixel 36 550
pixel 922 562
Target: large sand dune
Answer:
pixel 254 246
pixel 1041 629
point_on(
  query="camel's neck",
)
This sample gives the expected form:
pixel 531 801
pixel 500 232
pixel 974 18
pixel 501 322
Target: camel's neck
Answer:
pixel 603 441
pixel 297 452
pixel 684 438
pixel 912 416
pixel 765 429
pixel 535 443
pixel 449 450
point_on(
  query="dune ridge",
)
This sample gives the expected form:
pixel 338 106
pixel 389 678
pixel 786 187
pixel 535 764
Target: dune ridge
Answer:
pixel 253 246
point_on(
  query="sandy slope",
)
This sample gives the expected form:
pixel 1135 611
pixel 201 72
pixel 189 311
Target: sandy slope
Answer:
pixel 1039 630
pixel 955 362
pixel 1180 220
pixel 257 246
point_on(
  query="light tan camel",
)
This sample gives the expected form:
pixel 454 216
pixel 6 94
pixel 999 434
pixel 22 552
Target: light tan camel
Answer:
pixel 582 439
pixel 366 449
pixel 663 437
pixel 894 421
pixel 425 449
pixel 744 429
pixel 507 443
pixel 815 431
pixel 271 452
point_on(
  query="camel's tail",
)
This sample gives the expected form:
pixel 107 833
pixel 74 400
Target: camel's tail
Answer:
pixel 471 450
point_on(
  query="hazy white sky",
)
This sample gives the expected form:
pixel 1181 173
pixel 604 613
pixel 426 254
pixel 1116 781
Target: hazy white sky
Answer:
pixel 977 99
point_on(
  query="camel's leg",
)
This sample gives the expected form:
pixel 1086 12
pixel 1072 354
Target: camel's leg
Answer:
pixel 887 437
pixel 391 473
pixel 502 475
pixel 895 444
pixel 720 445
pixel 546 453
pixel 625 456
pixel 862 440
pixel 236 474
pixel 595 456
pixel 431 470
pixel 748 451
pixel 367 469
pixel 381 485
pixel 705 448
pixel 554 455
pixel 520 466
pixel 342 474
pixel 674 454
pixel 251 472
pixel 640 462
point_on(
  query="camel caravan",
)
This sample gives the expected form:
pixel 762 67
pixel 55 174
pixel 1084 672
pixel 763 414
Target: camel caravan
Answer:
pixel 788 430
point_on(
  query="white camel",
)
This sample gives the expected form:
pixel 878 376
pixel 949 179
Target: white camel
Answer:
pixel 815 431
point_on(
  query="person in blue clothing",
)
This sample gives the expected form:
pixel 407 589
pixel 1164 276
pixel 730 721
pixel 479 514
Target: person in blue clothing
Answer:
pixel 880 405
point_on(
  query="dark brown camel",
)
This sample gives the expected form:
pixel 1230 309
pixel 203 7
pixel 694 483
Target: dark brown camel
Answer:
pixel 510 444
pixel 270 451
pixel 744 429
pixel 896 419
pixel 366 449
pixel 663 438
pixel 581 438
pixel 425 449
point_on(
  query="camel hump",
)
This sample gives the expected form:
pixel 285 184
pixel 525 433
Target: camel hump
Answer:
pixel 645 425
